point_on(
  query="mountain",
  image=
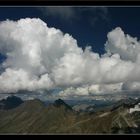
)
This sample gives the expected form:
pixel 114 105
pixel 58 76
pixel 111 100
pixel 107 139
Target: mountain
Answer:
pixel 33 116
pixel 10 102
pixel 130 102
pixel 60 102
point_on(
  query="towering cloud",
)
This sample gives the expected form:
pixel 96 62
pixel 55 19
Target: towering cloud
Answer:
pixel 39 57
pixel 125 45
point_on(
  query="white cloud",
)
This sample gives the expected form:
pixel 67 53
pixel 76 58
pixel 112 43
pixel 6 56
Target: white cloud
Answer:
pixel 89 90
pixel 32 50
pixel 15 80
pixel 39 57
pixel 126 46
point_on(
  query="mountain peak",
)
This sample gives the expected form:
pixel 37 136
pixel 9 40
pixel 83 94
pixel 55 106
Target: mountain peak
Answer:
pixel 60 102
pixel 125 103
pixel 10 102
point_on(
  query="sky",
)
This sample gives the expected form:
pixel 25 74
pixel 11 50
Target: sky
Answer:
pixel 69 51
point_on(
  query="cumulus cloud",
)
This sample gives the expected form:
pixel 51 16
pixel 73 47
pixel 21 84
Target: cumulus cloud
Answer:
pixel 43 58
pixel 32 52
pixel 126 46
pixel 87 90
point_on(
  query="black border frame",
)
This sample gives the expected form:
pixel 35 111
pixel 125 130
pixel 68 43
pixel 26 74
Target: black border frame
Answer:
pixel 69 2
pixel 19 3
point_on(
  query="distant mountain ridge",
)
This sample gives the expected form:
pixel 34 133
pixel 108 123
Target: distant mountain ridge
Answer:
pixel 60 102
pixel 10 102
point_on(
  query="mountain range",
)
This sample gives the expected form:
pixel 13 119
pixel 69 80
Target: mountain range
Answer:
pixel 34 117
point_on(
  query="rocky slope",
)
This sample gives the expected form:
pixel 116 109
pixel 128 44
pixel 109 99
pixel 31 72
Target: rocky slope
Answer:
pixel 34 117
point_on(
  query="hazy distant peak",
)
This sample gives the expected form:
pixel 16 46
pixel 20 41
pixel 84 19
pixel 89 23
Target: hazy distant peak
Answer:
pixel 10 102
pixel 60 102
